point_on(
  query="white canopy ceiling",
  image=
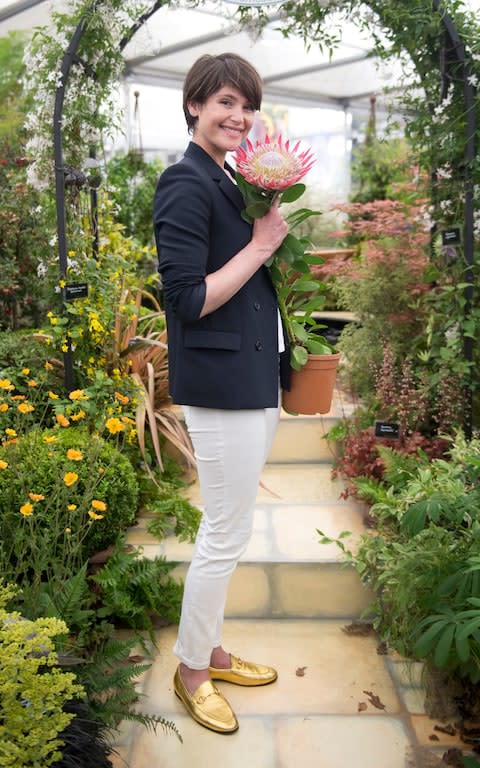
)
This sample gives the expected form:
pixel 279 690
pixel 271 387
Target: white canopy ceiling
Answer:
pixel 165 47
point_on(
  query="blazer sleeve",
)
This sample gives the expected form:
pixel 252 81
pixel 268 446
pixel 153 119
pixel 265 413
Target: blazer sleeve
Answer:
pixel 182 213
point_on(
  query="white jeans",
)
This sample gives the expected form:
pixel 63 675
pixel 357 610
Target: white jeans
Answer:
pixel 231 448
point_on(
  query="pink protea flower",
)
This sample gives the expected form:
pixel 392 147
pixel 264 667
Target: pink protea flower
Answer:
pixel 273 164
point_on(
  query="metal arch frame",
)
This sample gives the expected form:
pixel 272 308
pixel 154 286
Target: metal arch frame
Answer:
pixel 456 48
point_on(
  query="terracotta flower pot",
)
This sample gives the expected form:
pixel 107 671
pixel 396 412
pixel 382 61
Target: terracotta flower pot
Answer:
pixel 312 387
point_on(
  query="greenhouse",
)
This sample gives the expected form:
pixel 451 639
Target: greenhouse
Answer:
pixel 165 234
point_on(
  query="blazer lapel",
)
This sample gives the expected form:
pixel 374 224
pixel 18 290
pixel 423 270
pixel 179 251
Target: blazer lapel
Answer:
pixel 226 185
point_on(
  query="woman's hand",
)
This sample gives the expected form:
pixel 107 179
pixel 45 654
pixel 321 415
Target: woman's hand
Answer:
pixel 269 232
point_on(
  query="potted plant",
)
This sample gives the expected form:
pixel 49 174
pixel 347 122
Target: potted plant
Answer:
pixel 266 172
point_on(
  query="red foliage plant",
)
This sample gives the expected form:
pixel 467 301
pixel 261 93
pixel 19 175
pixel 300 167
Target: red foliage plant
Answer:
pixel 386 232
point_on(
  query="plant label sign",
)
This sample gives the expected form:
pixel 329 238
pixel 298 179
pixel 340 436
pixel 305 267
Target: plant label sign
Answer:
pixel 452 236
pixel 76 291
pixel 387 429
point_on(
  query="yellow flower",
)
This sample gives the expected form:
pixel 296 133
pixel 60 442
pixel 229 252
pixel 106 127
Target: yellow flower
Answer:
pixel 49 439
pixel 25 371
pixel 3 407
pixel 74 455
pixel 114 425
pixel 78 394
pixel 26 509
pixel 70 478
pixel 10 432
pixel 32 383
pixel 53 321
pixel 48 366
pixel 62 283
pixel 123 399
pixel 3 464
pixel 71 507
pixel 100 506
pixel 68 530
pixel 6 384
pixel 62 420
pixel 93 515
pixel 36 496
pixel 53 396
pixel 18 397
pixel 71 254
pixel 25 408
pixel 78 416
pixel 64 347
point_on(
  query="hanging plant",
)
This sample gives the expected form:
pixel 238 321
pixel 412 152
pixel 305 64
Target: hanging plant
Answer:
pixel 90 110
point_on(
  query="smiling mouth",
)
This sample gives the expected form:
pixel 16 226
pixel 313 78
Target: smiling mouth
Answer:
pixel 231 129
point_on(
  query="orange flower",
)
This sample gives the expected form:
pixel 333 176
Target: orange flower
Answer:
pixel 74 455
pixel 70 478
pixel 78 394
pixel 25 408
pixel 3 407
pixel 36 496
pixel 26 509
pixel 123 399
pixel 100 506
pixel 18 397
pixel 3 464
pixel 32 383
pixel 93 515
pixel 114 425
pixel 62 420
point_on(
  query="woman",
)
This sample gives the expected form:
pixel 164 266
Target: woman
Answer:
pixel 225 343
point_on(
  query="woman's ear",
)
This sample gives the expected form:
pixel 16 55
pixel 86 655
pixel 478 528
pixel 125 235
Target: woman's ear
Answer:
pixel 193 108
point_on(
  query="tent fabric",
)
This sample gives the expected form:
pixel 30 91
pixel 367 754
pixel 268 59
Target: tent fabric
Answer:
pixel 164 48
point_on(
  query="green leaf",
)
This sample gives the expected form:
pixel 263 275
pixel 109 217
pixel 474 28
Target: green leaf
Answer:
pixel 298 357
pixel 305 286
pixel 257 210
pixel 463 647
pixel 292 193
pixel 426 642
pixel 318 347
pixel 444 645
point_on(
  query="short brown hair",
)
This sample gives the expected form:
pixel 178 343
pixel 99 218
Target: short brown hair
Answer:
pixel 210 73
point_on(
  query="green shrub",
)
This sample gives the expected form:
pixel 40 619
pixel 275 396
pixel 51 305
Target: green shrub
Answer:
pixel 422 561
pixel 33 690
pixel 64 494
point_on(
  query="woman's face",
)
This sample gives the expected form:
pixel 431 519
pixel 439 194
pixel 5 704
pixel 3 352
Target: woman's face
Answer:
pixel 224 121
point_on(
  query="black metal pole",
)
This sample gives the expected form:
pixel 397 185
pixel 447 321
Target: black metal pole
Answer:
pixel 468 232
pixel 60 183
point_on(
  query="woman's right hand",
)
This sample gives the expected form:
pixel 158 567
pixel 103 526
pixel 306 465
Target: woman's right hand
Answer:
pixel 269 232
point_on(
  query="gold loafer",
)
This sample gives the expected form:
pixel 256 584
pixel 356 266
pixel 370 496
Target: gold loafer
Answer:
pixel 207 705
pixel 244 673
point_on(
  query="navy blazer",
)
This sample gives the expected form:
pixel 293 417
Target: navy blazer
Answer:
pixel 229 358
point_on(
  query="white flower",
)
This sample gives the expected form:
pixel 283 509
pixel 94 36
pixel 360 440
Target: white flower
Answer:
pixel 53 241
pixel 444 172
pixel 41 269
pixel 472 80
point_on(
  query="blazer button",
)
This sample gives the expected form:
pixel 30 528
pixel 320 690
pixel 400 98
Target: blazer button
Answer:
pixel 258 346
pixel 257 305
